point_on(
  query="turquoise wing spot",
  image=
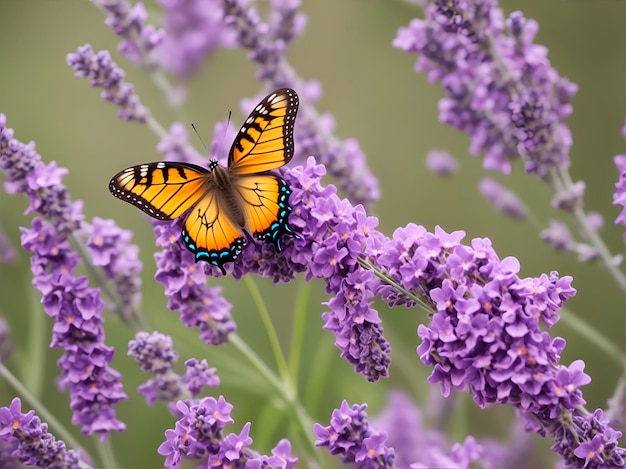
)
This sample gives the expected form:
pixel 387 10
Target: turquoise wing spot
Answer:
pixel 281 225
pixel 213 256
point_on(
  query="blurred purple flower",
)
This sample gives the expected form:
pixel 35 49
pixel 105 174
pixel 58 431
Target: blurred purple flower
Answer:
pixel 30 441
pixel 619 197
pixel 7 251
pixel 503 200
pixel 153 352
pixel 193 29
pixel 350 436
pixel 441 163
pixel 500 88
pixel 128 22
pixel 104 73
pixel 558 236
pixel 110 248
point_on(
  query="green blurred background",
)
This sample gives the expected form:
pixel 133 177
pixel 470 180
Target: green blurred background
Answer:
pixel 372 91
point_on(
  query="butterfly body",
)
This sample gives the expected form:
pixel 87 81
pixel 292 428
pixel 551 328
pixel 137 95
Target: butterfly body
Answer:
pixel 223 204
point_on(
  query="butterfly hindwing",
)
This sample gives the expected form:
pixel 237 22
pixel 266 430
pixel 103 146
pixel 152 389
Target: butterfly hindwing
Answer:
pixel 210 232
pixel 265 141
pixel 265 200
pixel 163 190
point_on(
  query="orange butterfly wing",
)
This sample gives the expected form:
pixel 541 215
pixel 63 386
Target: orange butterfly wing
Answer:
pixel 163 190
pixel 265 141
pixel 167 190
pixel 265 200
pixel 211 234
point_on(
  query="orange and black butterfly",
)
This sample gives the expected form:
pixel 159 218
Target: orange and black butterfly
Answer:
pixel 223 203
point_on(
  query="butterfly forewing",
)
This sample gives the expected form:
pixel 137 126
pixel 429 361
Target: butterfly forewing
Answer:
pixel 163 190
pixel 265 141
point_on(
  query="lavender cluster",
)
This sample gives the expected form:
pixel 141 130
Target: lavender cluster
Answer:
pixel 350 436
pixel 155 354
pixel 95 388
pixel 25 439
pixel 199 436
pixel 500 87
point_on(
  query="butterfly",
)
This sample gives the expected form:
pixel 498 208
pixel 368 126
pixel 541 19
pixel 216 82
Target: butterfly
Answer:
pixel 222 204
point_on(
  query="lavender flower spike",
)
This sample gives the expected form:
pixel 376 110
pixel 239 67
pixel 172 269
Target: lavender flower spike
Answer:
pixel 105 74
pixel 350 436
pixel 194 29
pixel 110 248
pixel 141 41
pixel 31 443
pixel 500 87
pixel 95 388
pixel 486 336
pixel 619 198
pixel 504 200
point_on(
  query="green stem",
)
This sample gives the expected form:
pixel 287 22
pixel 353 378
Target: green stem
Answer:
pixel 303 420
pixel 271 331
pixel 390 281
pixel 592 335
pixel 297 331
pixel 33 374
pixel 42 411
pixel 107 456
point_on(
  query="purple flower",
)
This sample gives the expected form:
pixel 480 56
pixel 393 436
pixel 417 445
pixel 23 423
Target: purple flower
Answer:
pixel 486 337
pixel 110 249
pixel 153 352
pixel 558 236
pixel 500 87
pixel 25 173
pixel 7 251
pixel 193 29
pixel 406 432
pixel 127 21
pixel 619 197
pixel 30 441
pixel 199 375
pixel 198 433
pixel 95 388
pixel 503 200
pixel 350 436
pixel 185 286
pixel 441 163
pixel 104 73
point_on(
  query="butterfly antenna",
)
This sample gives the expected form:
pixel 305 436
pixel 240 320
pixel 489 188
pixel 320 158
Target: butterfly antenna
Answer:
pixel 193 126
